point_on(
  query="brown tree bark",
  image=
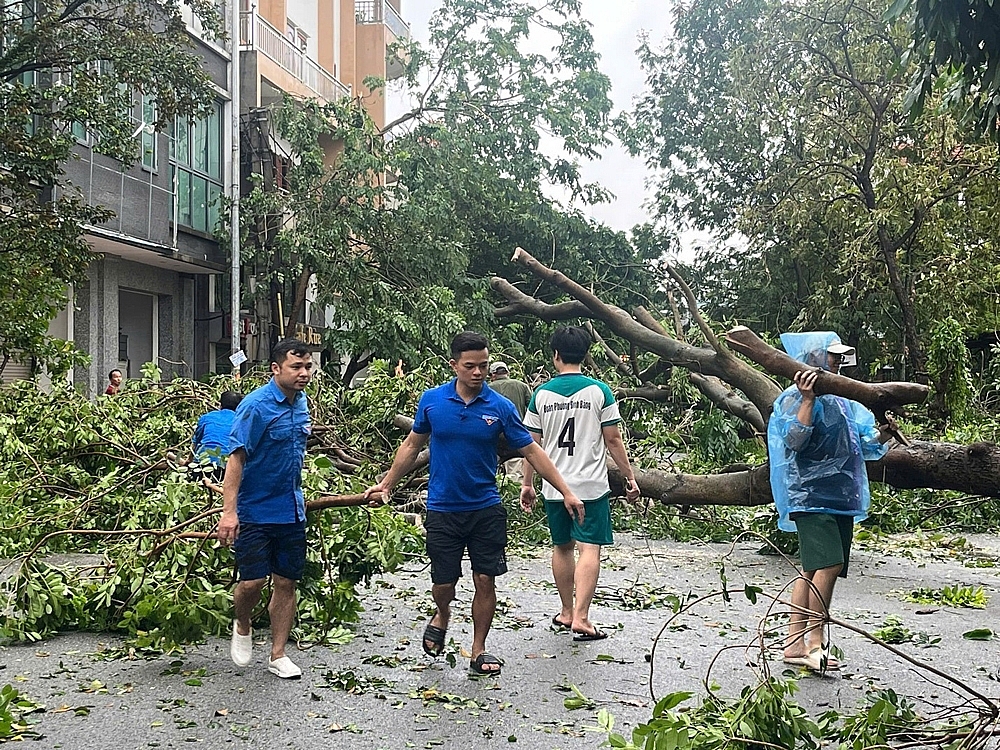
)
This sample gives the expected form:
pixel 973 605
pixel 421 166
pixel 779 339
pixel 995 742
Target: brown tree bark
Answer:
pixel 879 397
pixel 756 386
pixel 971 469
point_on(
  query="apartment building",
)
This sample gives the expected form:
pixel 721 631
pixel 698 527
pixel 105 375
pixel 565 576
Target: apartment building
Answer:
pixel 149 290
pixel 311 49
pixel 158 290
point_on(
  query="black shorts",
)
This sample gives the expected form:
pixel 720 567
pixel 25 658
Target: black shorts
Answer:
pixel 482 532
pixel 263 549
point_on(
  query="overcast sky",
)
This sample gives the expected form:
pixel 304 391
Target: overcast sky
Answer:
pixel 616 25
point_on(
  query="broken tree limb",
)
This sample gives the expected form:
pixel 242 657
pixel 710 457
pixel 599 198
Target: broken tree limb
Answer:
pixel 971 469
pixel 756 386
pixel 645 393
pixel 879 397
pixel 692 304
pixel 726 399
pixel 524 304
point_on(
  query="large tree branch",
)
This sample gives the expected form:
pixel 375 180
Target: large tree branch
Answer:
pixel 971 469
pixel 692 305
pixel 524 304
pixel 879 397
pixel 755 385
pixel 722 396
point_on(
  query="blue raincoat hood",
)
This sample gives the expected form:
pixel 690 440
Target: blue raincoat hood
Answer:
pixel 810 347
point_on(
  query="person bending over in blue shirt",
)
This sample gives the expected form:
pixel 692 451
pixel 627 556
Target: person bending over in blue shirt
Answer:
pixel 263 509
pixel 463 420
pixel 211 436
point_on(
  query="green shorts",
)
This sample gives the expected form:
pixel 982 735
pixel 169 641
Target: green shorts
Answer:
pixel 596 527
pixel 824 540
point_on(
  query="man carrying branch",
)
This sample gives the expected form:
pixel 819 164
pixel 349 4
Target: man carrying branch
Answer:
pixel 263 509
pixel 818 446
pixel 463 420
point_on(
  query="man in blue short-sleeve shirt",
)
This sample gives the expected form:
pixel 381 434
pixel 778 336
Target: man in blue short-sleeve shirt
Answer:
pixel 463 421
pixel 263 509
pixel 211 436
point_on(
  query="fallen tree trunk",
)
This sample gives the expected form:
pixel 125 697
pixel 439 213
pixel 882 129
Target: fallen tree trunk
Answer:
pixel 970 469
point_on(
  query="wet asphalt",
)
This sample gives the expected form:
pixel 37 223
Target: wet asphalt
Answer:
pixel 380 690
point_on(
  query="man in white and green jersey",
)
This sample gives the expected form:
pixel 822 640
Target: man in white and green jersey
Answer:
pixel 575 419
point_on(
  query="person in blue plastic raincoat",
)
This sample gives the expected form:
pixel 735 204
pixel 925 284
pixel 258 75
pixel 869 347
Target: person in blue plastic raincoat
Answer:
pixel 818 446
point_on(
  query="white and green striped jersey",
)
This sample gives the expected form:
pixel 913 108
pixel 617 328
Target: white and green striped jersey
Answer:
pixel 570 412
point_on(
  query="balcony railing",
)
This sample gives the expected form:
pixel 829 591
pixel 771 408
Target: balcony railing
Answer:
pixel 258 34
pixel 380 11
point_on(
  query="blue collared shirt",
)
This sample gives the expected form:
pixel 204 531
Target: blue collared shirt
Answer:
pixel 273 431
pixel 211 438
pixel 463 445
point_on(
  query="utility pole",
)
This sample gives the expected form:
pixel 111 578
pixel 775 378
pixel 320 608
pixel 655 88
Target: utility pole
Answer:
pixel 234 185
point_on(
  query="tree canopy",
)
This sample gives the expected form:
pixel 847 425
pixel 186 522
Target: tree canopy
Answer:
pixel 956 45
pixel 466 181
pixel 785 127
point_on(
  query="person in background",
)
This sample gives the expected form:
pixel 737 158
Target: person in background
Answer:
pixel 518 394
pixel 211 436
pixel 515 391
pixel 114 382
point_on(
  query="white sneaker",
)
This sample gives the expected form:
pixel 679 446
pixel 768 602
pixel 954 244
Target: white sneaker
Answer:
pixel 241 647
pixel 285 668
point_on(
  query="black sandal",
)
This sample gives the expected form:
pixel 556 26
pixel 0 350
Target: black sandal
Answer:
pixel 478 664
pixel 434 635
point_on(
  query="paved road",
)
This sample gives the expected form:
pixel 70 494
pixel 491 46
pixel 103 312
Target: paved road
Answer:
pixel 380 691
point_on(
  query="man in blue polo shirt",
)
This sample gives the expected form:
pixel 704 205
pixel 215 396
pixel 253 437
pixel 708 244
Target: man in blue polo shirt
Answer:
pixel 211 436
pixel 463 420
pixel 263 509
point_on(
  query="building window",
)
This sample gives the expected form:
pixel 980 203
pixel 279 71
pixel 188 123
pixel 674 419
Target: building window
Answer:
pixel 296 35
pixel 148 143
pixel 196 168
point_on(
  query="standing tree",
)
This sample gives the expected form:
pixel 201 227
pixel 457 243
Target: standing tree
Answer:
pixel 786 123
pixel 408 261
pixel 66 64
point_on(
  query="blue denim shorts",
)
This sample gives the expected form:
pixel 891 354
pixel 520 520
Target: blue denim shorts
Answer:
pixel 263 549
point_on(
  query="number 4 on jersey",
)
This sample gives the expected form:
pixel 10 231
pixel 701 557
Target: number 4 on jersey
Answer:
pixel 567 436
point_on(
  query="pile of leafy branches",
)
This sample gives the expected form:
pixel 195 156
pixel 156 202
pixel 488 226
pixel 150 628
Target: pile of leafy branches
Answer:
pixel 106 525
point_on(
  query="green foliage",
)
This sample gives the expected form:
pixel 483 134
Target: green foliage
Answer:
pixel 87 494
pixel 887 714
pixel 784 124
pixel 13 708
pixel 763 716
pixel 716 440
pixel 956 47
pixel 766 716
pixel 404 264
pixel 894 630
pixel 948 362
pixel 66 64
pixel 973 597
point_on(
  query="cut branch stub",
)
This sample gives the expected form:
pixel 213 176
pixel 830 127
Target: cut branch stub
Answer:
pixel 879 397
